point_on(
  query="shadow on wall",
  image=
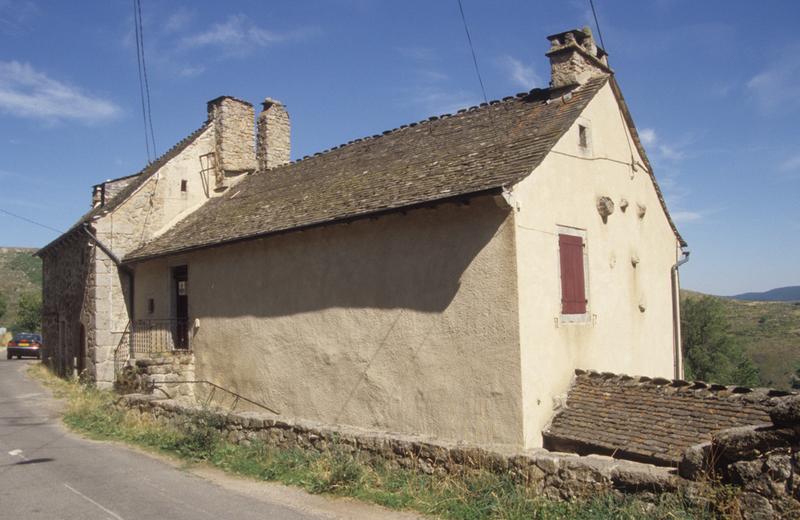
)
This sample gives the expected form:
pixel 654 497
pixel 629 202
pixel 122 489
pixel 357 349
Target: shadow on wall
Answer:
pixel 412 260
pixel 65 271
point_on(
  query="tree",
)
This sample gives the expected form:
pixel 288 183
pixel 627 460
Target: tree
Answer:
pixel 29 313
pixel 3 306
pixel 710 352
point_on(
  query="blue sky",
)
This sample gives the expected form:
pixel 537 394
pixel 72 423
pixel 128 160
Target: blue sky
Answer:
pixel 714 87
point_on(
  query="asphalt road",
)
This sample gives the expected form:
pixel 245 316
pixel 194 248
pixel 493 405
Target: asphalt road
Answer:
pixel 47 472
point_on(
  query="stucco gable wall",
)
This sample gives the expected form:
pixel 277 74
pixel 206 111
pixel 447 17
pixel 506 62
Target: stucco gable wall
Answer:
pixel 617 336
pixel 406 322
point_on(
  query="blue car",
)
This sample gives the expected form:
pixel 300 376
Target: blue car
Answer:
pixel 24 344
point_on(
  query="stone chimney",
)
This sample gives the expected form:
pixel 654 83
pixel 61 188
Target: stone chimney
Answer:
pixel 234 134
pixel 575 58
pixel 273 147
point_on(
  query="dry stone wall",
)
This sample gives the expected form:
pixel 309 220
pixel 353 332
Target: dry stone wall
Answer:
pixel 763 461
pixel 168 374
pixel 555 475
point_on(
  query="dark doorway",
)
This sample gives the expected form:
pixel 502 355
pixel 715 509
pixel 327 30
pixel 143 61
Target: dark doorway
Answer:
pixel 180 291
pixel 81 354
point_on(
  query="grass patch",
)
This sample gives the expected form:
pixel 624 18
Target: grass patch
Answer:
pixel 472 495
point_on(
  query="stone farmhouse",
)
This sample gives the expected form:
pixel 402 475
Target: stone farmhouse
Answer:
pixel 444 278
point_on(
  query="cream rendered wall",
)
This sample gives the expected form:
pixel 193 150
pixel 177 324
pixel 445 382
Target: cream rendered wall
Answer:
pixel 407 322
pixel 618 337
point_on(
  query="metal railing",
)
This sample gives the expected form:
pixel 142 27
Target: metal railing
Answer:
pixel 122 352
pixel 153 336
pixel 214 387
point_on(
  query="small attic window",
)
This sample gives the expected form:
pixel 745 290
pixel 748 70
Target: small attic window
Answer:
pixel 184 184
pixel 583 136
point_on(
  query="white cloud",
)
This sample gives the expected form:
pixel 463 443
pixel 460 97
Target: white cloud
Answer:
pixel 648 136
pixel 777 87
pixel 191 71
pixel 792 164
pixel 238 34
pixel 436 99
pixel 26 92
pixel 660 149
pixel 681 217
pixel 521 74
pixel 178 20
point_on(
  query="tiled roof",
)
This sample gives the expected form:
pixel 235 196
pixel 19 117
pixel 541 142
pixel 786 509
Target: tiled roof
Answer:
pixel 482 148
pixel 650 420
pixel 135 184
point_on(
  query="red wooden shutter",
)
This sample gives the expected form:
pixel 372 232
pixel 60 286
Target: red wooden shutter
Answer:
pixel 573 290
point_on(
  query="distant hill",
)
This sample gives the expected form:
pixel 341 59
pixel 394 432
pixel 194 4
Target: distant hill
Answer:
pixel 20 273
pixel 781 294
pixel 769 331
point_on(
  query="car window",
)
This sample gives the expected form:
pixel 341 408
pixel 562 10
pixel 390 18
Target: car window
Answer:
pixel 27 336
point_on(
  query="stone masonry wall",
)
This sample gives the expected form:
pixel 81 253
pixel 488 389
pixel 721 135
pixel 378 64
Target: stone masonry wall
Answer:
pixel 763 461
pixel 65 309
pixel 555 475
pixel 234 122
pixel 166 375
pixel 274 135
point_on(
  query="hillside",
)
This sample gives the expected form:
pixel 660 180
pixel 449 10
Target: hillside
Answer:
pixel 20 273
pixel 769 333
pixel 781 294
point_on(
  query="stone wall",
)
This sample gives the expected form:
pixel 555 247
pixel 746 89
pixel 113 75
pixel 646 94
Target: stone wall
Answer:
pixel 274 135
pixel 555 475
pixel 763 461
pixel 167 375
pixel 66 312
pixel 234 122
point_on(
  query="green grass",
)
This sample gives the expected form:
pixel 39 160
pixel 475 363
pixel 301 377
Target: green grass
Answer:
pixel 769 333
pixel 471 495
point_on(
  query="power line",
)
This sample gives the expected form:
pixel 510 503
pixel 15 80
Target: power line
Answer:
pixel 597 24
pixel 26 219
pixel 144 84
pixel 141 82
pixel 147 83
pixel 472 49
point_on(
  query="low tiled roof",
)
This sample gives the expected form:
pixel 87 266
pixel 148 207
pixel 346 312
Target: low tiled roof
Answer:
pixel 650 419
pixel 140 178
pixel 486 147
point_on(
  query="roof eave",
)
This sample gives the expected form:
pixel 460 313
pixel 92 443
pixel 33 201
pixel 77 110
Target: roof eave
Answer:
pixel 497 190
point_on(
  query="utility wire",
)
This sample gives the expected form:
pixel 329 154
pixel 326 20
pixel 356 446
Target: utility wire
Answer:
pixel 144 85
pixel 26 219
pixel 597 24
pixel 147 83
pixel 141 81
pixel 472 49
